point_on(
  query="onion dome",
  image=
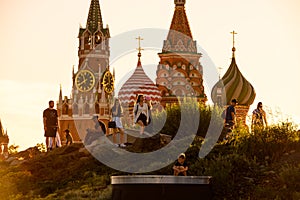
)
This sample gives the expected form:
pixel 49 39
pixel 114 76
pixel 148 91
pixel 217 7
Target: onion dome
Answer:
pixel 138 83
pixel 233 85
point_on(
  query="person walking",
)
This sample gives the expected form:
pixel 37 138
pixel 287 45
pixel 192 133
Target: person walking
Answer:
pixel 117 112
pixel 51 126
pixel 259 119
pixel 141 114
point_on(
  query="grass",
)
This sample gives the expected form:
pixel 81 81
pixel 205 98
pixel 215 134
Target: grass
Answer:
pixel 260 165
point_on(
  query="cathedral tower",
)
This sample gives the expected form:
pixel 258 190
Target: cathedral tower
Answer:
pixel 180 72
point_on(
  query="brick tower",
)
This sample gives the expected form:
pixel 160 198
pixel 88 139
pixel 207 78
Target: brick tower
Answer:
pixel 92 88
pixel 180 72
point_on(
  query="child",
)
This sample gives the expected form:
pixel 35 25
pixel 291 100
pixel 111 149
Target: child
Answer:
pixel 69 137
pixel 180 167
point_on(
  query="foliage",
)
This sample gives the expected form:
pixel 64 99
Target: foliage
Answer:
pixel 190 110
pixel 263 164
pixel 13 149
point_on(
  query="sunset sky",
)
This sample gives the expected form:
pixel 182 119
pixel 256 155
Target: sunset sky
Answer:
pixel 38 47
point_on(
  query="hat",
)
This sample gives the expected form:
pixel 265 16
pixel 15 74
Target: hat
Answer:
pixel 234 101
pixel 182 154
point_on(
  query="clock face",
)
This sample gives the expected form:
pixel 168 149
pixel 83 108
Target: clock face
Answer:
pixel 85 80
pixel 108 82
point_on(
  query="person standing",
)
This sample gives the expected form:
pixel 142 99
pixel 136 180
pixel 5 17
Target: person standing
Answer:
pixel 51 127
pixel 141 114
pixel 149 127
pixel 230 116
pixel 116 116
pixel 259 119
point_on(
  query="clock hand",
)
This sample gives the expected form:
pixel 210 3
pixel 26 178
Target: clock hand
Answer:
pixel 82 82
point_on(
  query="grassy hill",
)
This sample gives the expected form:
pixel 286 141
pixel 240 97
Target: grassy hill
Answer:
pixel 261 165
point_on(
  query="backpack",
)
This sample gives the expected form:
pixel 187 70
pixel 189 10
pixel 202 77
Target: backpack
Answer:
pixel 223 115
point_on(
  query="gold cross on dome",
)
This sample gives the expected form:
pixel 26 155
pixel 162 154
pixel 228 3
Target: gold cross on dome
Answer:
pixel 139 48
pixel 233 33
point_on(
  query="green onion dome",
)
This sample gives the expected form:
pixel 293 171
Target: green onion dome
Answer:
pixel 233 85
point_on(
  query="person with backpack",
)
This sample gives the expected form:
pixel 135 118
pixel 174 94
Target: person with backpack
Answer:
pixel 141 113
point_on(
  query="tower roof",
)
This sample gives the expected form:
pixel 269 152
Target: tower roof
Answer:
pixel 180 21
pixel 1 129
pixel 94 18
pixel 138 83
pixel 233 85
pixel 180 37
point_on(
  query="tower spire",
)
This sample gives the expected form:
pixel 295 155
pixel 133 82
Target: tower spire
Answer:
pixel 139 49
pixel 94 20
pixel 233 43
pixel 180 21
pixel 60 94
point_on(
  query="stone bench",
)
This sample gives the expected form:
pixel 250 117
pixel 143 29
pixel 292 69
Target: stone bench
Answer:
pixel 161 187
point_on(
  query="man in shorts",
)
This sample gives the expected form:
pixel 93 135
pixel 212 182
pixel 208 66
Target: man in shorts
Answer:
pixel 50 119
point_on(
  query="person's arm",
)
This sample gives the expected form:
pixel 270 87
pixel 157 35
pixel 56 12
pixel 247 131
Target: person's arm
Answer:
pixel 253 117
pixel 44 122
pixel 265 118
pixel 57 122
pixel 233 116
pixel 176 168
pixel 147 113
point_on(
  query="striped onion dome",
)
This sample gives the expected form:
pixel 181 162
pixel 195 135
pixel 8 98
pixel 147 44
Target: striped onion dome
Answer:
pixel 138 83
pixel 233 85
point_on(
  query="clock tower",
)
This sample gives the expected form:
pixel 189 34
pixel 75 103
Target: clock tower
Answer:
pixel 92 91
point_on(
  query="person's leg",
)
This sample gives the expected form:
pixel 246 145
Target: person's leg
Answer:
pixel 176 172
pixel 47 143
pixel 53 142
pixel 142 127
pixel 114 136
pixel 121 130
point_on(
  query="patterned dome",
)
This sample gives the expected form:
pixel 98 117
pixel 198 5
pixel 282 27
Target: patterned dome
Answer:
pixel 138 83
pixel 233 85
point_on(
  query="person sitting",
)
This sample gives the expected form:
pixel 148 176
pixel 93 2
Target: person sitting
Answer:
pixel 180 166
pixel 69 138
pixel 95 134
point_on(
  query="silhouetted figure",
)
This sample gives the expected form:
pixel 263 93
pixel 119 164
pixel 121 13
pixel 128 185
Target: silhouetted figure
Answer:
pixel 69 138
pixel 50 119
pixel 96 133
